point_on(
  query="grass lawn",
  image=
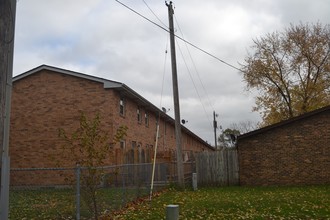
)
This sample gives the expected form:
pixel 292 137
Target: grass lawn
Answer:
pixel 51 203
pixel 312 202
pixel 41 204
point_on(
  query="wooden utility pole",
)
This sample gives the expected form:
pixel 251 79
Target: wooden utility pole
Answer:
pixel 7 34
pixel 176 98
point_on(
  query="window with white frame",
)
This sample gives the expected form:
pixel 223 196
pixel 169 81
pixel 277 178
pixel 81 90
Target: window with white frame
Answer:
pixel 122 106
pixel 138 114
pixel 146 119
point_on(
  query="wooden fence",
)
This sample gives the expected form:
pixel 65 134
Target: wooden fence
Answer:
pixel 219 168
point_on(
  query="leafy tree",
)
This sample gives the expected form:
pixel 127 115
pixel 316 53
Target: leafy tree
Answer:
pixel 228 138
pixel 89 146
pixel 291 71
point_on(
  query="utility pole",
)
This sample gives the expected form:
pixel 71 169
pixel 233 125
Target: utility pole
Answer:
pixel 215 126
pixel 176 98
pixel 7 34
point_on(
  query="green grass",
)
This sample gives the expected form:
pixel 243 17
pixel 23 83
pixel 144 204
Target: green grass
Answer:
pixel 41 204
pixel 50 203
pixel 311 202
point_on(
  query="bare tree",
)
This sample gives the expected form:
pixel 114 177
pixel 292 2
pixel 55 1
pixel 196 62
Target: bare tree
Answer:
pixel 244 126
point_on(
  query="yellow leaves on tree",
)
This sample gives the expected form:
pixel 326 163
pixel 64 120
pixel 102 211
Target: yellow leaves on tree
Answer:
pixel 291 71
pixel 89 146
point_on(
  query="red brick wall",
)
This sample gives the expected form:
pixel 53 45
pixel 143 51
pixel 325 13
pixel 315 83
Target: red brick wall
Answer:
pixel 46 101
pixel 297 153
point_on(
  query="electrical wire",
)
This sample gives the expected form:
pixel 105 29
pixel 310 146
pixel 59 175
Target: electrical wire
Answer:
pixel 191 44
pixel 198 75
pixel 155 14
pixel 131 9
pixel 164 71
pixel 186 42
pixel 166 48
pixel 193 62
pixel 192 79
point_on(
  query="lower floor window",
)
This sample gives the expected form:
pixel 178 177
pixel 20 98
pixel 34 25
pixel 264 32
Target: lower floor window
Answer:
pixel 122 144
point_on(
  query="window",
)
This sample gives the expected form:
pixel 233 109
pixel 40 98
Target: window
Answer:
pixel 138 113
pixel 122 106
pixel 122 144
pixel 133 144
pixel 150 146
pixel 146 119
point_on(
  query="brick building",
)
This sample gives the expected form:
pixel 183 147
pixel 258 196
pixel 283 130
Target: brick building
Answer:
pixel 292 152
pixel 46 98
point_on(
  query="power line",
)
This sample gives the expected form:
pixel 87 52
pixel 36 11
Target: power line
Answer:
pixel 164 71
pixel 190 56
pixel 154 14
pixel 194 65
pixel 131 9
pixel 191 44
pixel 166 48
pixel 193 82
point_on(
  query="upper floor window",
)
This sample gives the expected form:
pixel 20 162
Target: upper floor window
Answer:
pixel 146 119
pixel 122 106
pixel 138 113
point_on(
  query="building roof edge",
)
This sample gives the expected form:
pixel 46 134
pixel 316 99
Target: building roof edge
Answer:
pixel 285 122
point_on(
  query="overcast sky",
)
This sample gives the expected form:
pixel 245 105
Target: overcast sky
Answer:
pixel 105 39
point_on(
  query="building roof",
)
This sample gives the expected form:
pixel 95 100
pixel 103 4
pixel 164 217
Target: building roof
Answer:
pixel 110 84
pixel 285 122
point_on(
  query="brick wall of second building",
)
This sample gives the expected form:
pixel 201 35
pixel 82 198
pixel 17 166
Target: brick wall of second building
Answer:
pixel 294 154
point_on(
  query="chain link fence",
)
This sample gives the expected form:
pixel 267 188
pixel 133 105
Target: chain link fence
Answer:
pixel 82 193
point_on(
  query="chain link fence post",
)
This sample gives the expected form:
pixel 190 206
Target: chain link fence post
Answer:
pixel 78 172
